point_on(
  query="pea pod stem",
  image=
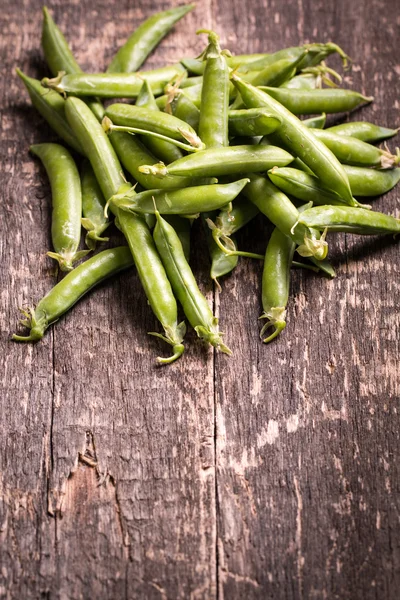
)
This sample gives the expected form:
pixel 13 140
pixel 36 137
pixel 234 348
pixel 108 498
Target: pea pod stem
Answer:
pixel 109 127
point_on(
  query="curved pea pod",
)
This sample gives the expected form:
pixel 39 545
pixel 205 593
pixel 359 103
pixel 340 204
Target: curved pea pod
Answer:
pixel 224 161
pixel 182 228
pixel 304 186
pixel 111 85
pixel 93 204
pixel 317 122
pixel 154 280
pixel 221 263
pixel 252 122
pixel 213 122
pixel 357 153
pixel 66 202
pixel 277 207
pixel 161 123
pixel 194 304
pixel 164 151
pixel 132 154
pixel 276 73
pixel 362 130
pixel 309 102
pixel 183 108
pixel 276 282
pixel 59 57
pixel 145 38
pixel 50 105
pixel 188 201
pixel 349 220
pixel 300 140
pixel 370 182
pixel 71 288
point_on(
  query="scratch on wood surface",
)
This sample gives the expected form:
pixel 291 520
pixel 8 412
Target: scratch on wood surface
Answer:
pixel 269 434
pixel 299 516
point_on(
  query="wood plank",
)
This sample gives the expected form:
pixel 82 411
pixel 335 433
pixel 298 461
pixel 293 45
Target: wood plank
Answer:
pixel 307 428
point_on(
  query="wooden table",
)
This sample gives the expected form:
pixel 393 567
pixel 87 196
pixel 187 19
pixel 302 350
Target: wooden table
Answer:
pixel 269 475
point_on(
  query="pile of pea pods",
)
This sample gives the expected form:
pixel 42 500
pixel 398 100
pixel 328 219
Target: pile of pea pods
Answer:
pixel 216 137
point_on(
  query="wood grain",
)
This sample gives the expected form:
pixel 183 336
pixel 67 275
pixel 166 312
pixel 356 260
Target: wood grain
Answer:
pixel 270 475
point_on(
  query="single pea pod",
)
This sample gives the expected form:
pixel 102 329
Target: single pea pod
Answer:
pixel 221 263
pixel 317 122
pixel 187 201
pixel 59 57
pixel 300 140
pixel 252 122
pixel 66 202
pixel 309 102
pixel 228 222
pixel 362 130
pixel 194 304
pixel 214 106
pixel 145 38
pixel 371 182
pixel 193 93
pixel 355 152
pixel 276 73
pixel 349 220
pixel 215 162
pixel 183 108
pixel 111 85
pixel 93 204
pixel 277 207
pixel 165 151
pixel 276 282
pixel 138 117
pixel 316 53
pixel 50 105
pixel 306 81
pixel 71 288
pixel 132 154
pixel 304 186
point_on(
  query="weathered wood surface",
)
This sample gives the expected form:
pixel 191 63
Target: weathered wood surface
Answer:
pixel 270 475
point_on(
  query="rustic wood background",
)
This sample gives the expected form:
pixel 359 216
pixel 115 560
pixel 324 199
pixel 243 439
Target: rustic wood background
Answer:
pixel 269 475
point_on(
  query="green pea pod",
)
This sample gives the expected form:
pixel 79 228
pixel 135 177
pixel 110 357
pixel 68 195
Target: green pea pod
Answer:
pixel 276 73
pixel 165 151
pixel 59 57
pixel 50 105
pixel 187 201
pixel 132 154
pixel 145 38
pixel 305 186
pixel 182 228
pixel 370 182
pixel 316 53
pixel 357 153
pixel 193 93
pixel 309 102
pixel 213 124
pixel 283 214
pixel 362 130
pixel 66 201
pixel 111 85
pixel 195 305
pixel 275 283
pixel 349 220
pixel 138 117
pixel 252 122
pixel 93 204
pixel 183 108
pixel 317 122
pixel 301 141
pixel 72 288
pixel 214 162
pixel 306 81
